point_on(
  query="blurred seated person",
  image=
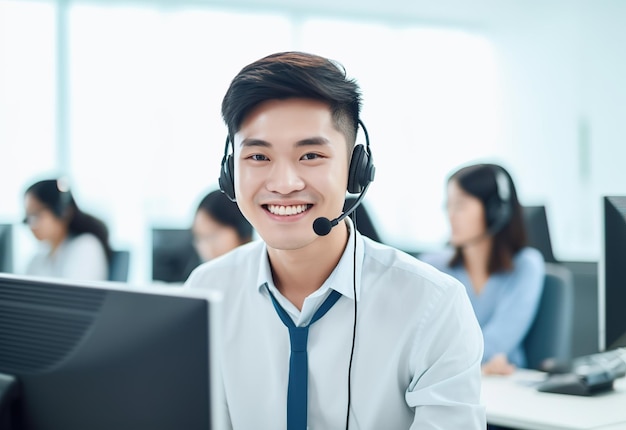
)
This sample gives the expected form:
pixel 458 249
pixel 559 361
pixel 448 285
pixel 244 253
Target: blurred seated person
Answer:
pixel 503 277
pixel 219 226
pixel 74 244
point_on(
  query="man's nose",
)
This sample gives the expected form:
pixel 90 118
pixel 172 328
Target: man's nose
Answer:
pixel 285 178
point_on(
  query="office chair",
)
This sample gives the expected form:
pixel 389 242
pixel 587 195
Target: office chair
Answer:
pixel 550 336
pixel 537 231
pixel 118 266
pixel 364 223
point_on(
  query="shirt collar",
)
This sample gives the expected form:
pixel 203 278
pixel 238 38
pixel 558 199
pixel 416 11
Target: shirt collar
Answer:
pixel 341 278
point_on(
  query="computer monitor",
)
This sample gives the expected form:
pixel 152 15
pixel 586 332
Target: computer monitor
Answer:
pixel 6 248
pixel 173 255
pixel 612 275
pixel 537 231
pixel 104 356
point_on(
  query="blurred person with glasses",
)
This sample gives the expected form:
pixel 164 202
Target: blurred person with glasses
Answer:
pixel 219 226
pixel 74 244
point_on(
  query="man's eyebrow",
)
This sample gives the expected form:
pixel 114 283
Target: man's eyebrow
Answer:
pixel 318 140
pixel 310 141
pixel 255 142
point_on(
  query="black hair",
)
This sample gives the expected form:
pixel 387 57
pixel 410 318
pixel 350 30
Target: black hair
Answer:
pixel 480 181
pixel 226 212
pixel 62 204
pixel 287 75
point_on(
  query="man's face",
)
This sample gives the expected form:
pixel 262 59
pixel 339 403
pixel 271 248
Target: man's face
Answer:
pixel 291 167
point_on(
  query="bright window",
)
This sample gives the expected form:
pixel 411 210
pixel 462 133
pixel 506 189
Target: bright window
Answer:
pixel 145 86
pixel 28 149
pixel 431 101
pixel 146 131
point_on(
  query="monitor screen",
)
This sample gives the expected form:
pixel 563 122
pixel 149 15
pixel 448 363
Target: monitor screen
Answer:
pixel 537 232
pixel 173 255
pixel 102 355
pixel 612 275
pixel 6 248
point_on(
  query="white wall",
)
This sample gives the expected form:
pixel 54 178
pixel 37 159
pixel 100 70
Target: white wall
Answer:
pixel 565 80
pixel 560 121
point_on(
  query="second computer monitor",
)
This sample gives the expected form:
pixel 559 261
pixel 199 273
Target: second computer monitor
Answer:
pixel 6 248
pixel 173 255
pixel 612 275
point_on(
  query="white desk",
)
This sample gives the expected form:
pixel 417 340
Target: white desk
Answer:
pixel 512 401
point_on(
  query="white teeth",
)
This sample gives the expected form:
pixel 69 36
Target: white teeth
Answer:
pixel 287 210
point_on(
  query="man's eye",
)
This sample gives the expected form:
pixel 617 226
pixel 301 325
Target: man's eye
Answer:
pixel 310 156
pixel 258 157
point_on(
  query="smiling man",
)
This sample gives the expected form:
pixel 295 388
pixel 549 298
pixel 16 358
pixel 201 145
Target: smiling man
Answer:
pixel 327 331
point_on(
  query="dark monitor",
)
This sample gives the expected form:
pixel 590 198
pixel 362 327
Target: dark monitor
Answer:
pixel 537 231
pixel 612 275
pixel 173 255
pixel 6 248
pixel 99 356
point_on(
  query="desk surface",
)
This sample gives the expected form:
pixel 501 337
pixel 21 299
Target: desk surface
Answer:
pixel 513 401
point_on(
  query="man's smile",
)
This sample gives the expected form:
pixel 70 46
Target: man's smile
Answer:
pixel 287 210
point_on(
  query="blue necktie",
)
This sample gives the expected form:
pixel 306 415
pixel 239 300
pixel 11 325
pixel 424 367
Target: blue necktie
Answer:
pixel 297 391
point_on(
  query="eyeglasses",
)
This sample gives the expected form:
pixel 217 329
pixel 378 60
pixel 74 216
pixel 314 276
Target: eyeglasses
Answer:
pixel 33 218
pixel 207 238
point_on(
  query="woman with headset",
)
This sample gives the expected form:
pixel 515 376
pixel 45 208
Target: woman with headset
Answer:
pixel 75 244
pixel 503 277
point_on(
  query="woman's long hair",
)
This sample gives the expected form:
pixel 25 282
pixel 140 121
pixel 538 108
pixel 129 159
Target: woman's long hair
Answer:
pixel 481 181
pixel 62 204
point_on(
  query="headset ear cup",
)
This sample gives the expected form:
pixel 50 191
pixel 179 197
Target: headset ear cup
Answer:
pixel 498 214
pixel 360 172
pixel 492 208
pixel 227 179
pixel 499 208
pixel 64 204
pixel 498 218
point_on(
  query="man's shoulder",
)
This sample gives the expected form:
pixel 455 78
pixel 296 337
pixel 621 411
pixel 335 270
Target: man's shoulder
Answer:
pixel 406 269
pixel 229 268
pixel 439 258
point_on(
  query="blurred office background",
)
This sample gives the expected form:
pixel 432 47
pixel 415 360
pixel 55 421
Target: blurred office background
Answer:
pixel 123 98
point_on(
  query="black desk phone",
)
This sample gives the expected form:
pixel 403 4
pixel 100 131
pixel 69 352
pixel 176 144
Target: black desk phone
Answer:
pixel 588 375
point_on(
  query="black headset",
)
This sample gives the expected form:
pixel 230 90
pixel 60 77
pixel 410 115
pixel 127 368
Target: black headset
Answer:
pixel 64 199
pixel 499 206
pixel 360 173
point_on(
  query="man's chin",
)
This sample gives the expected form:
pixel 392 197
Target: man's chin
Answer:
pixel 288 243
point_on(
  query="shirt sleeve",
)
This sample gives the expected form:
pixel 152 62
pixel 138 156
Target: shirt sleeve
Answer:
pixel 85 259
pixel 445 389
pixel 516 310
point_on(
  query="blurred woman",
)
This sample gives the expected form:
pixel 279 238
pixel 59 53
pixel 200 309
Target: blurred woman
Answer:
pixel 74 244
pixel 503 277
pixel 219 226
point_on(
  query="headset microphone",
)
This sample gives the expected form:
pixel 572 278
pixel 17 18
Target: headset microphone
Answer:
pixel 322 226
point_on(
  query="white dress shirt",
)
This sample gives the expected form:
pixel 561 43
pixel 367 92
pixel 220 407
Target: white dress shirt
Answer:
pixel 417 354
pixel 80 257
